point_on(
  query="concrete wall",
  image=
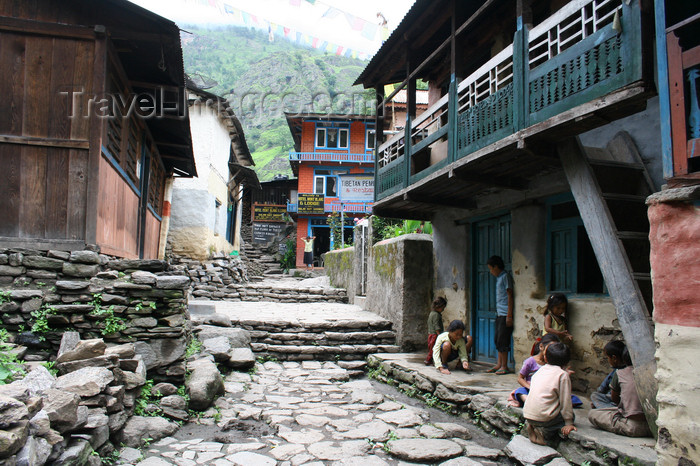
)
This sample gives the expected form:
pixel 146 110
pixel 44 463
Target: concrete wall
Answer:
pixel 400 279
pixel 674 219
pixel 193 224
pixel 451 253
pixel 339 266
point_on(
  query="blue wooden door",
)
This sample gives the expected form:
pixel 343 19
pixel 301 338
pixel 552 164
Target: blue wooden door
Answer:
pixel 491 237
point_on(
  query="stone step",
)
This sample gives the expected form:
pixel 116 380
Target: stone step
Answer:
pixel 320 352
pixel 273 272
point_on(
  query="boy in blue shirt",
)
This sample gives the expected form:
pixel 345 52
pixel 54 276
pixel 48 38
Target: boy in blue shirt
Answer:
pixel 504 313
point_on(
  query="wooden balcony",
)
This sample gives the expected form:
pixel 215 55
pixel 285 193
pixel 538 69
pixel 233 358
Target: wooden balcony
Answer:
pixel 576 70
pixel 331 157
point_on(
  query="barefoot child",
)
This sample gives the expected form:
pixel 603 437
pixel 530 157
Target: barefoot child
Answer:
pixel 452 346
pixel 504 313
pixel 548 409
pixel 555 318
pixel 628 417
pixel 435 326
pixel 530 366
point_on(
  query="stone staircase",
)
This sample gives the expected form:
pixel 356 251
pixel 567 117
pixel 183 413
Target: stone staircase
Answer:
pixel 340 341
pixel 259 262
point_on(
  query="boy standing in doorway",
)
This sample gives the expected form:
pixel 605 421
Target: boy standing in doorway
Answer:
pixel 504 313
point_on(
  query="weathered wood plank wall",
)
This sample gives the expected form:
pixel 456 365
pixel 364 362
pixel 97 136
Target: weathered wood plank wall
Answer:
pixel 42 150
pixel 117 214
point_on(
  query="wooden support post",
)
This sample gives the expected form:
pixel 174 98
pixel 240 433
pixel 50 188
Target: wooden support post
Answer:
pixel 614 265
pixel 97 131
pixel 378 130
pixel 521 71
pixel 677 90
pixel 408 143
pixel 452 103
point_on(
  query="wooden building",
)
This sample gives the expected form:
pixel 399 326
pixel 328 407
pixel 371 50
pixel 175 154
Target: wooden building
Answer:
pixel 540 144
pixel 93 119
pixel 333 161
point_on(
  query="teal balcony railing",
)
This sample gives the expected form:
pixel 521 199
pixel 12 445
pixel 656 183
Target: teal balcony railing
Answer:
pixel 586 50
pixel 331 157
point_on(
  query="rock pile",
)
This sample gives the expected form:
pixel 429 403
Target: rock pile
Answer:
pixel 63 419
pixel 215 279
pixel 221 344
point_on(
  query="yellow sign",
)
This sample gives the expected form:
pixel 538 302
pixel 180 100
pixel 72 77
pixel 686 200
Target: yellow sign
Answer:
pixel 269 212
pixel 311 204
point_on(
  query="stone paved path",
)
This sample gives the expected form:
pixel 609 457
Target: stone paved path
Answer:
pixel 310 413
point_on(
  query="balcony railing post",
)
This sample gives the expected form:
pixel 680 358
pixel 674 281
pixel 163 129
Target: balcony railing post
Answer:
pixel 521 71
pixel 452 115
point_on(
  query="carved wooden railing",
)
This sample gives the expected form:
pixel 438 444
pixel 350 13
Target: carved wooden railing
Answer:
pixel 585 50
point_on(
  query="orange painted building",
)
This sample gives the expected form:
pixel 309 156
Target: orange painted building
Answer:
pixel 334 163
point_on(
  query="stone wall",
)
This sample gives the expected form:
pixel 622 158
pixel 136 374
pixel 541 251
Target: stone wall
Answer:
pixel 46 293
pixel 213 279
pixel 339 265
pixel 674 220
pixel 400 285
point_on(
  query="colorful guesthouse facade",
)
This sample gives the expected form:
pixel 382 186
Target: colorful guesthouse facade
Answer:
pixel 334 163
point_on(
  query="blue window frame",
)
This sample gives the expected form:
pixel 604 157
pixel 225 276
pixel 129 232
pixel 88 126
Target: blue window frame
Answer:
pixel 572 267
pixel 332 136
pixel 326 181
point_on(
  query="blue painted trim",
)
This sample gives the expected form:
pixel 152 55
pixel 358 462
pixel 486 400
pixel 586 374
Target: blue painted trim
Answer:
pixel 549 202
pixel 113 162
pixel 153 211
pixel 664 92
pixel 333 126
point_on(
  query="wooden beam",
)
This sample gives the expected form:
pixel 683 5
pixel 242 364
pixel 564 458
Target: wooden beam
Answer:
pixel 516 183
pixel 438 202
pixel 46 142
pixel 676 89
pixel 632 313
pixel 27 26
pixel 128 35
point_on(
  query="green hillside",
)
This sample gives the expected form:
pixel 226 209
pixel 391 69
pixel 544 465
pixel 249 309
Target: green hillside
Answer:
pixel 263 79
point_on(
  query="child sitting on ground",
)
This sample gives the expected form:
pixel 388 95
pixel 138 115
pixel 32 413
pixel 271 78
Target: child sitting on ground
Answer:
pixel 435 326
pixel 602 398
pixel 530 366
pixel 555 318
pixel 628 417
pixel 452 347
pixel 548 409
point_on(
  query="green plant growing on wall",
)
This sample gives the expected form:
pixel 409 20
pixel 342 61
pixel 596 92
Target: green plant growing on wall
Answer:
pixel 146 398
pixel 10 364
pixel 4 297
pixel 40 324
pixel 112 323
pixel 141 305
pixel 193 347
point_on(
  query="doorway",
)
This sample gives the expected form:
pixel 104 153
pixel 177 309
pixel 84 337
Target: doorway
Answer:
pixel 490 237
pixel 322 243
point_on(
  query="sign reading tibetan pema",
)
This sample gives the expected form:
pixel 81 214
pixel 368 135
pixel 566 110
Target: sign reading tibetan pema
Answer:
pixel 357 188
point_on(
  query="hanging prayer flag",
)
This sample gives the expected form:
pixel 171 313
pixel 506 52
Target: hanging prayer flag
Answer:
pixel 295 2
pixel 369 30
pixel 228 8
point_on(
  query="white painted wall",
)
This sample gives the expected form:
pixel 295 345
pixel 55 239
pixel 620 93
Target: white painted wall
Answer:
pixel 194 199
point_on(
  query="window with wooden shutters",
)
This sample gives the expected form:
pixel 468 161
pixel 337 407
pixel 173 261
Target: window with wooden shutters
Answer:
pixel 131 163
